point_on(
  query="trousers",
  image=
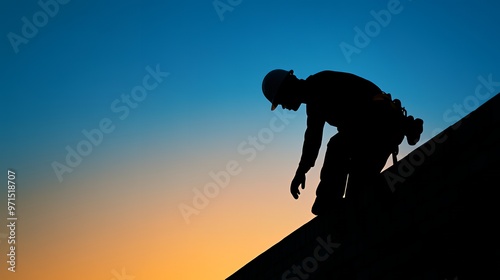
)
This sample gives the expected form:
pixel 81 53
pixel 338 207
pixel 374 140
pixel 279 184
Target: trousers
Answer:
pixel 354 159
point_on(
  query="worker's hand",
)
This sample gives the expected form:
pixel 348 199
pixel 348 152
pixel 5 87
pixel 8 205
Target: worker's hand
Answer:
pixel 298 180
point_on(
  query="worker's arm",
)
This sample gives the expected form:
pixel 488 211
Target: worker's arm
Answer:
pixel 310 150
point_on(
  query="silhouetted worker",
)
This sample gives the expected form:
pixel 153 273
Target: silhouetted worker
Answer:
pixel 370 127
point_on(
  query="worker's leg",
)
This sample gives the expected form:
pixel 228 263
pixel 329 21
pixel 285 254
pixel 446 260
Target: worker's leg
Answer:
pixel 332 177
pixel 366 166
pixel 370 145
pixel 364 207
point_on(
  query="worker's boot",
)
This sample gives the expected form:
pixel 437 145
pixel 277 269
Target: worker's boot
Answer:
pixel 332 207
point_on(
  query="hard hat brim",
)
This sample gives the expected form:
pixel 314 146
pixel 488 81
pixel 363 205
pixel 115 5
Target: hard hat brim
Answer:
pixel 273 97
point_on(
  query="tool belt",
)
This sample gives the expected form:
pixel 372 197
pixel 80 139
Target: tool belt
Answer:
pixel 406 126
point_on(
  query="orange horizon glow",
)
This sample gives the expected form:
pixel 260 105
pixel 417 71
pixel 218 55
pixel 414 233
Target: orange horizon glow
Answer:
pixel 103 227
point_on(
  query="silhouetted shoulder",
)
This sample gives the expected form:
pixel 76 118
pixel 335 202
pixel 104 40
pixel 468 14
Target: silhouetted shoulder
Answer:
pixel 345 88
pixel 344 80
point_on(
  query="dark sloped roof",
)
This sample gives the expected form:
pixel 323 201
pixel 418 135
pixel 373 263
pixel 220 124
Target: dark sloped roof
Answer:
pixel 437 216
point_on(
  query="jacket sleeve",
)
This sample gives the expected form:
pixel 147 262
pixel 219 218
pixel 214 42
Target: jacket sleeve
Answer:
pixel 312 141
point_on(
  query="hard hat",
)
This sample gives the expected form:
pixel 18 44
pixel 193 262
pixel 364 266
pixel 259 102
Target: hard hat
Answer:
pixel 271 84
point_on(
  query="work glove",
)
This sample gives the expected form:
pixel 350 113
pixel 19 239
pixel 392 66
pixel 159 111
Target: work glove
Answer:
pixel 298 180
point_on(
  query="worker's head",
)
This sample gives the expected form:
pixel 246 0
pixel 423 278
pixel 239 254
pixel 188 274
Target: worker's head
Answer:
pixel 277 87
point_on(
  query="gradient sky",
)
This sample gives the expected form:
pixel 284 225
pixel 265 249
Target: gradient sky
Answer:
pixel 71 66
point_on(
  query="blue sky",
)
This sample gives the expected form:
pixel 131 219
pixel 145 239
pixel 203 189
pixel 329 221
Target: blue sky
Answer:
pixel 66 75
pixel 85 55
